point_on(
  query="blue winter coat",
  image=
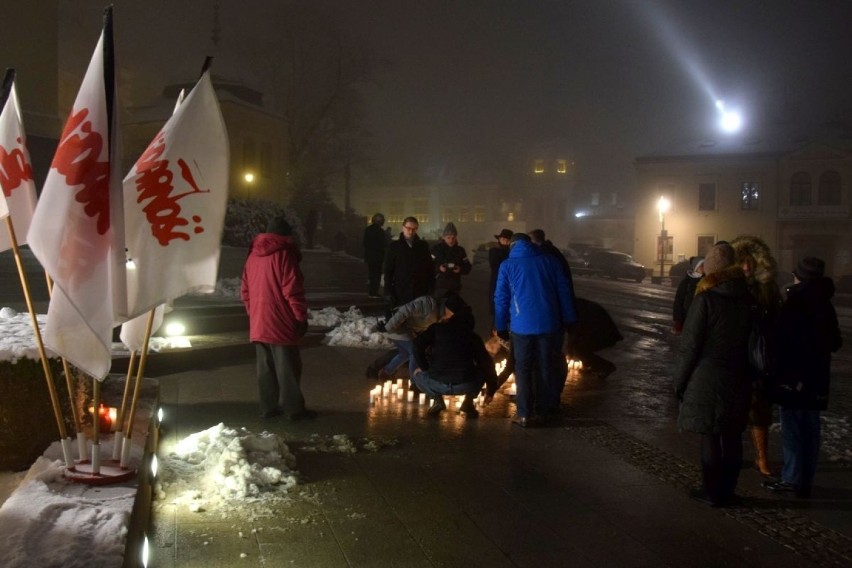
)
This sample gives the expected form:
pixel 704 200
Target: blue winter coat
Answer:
pixel 532 296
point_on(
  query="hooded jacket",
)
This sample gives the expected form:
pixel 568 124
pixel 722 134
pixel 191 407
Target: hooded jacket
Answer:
pixel 273 292
pixel 532 296
pixel 711 374
pixel 807 334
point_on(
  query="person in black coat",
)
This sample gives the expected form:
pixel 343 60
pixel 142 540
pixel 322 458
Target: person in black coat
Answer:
pixel 686 292
pixel 496 256
pixel 712 378
pixel 375 245
pixel 451 262
pixel 409 271
pixel 452 360
pixel 807 334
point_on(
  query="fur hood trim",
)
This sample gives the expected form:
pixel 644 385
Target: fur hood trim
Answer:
pixel 718 278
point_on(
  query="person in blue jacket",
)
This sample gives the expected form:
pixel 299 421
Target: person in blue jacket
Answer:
pixel 533 305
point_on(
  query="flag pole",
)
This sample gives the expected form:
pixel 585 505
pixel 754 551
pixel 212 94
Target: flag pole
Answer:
pixel 118 440
pixel 48 373
pixel 140 372
pixel 96 426
pixel 78 423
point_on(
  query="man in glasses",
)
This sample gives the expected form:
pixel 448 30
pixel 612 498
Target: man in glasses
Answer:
pixel 409 271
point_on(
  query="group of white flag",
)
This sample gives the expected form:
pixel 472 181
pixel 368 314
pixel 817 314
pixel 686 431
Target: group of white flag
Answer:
pixel 117 249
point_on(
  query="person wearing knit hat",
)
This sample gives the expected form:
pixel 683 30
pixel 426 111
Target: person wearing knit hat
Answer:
pixel 808 333
pixel 711 376
pixel 686 292
pixel 451 262
pixel 759 267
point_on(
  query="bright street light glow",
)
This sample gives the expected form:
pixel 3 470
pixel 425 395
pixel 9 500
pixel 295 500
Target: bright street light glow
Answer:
pixel 663 205
pixel 249 177
pixel 154 465
pixel 731 121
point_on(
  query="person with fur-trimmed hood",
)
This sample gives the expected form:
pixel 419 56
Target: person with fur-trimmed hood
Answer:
pixel 756 260
pixel 711 376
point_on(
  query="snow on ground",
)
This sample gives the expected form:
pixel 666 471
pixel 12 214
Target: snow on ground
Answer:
pixel 222 469
pixel 351 328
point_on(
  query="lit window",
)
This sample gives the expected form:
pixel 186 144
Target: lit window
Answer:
pixel 561 166
pixel 750 196
pixel 421 210
pixel 396 212
pixel 538 166
pixel 447 215
pixel 464 215
pixel 478 214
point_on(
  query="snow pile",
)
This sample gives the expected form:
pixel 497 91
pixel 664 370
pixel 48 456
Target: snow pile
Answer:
pixel 48 521
pixel 351 328
pixel 332 317
pixel 221 468
pixel 18 340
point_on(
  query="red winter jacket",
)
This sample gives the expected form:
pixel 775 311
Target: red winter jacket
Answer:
pixel 273 290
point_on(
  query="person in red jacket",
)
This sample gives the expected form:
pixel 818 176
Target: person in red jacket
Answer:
pixel 273 292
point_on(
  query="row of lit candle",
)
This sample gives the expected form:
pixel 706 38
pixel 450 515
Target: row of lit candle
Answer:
pixel 396 390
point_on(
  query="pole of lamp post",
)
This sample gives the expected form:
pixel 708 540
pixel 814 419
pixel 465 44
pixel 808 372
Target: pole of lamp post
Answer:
pixel 662 207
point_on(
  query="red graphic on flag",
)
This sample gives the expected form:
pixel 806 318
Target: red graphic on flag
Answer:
pixel 77 159
pixel 14 169
pixel 154 184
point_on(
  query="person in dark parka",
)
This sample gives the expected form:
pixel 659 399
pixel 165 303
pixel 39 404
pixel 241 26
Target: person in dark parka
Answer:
pixel 807 334
pixel 496 256
pixel 451 262
pixel 712 378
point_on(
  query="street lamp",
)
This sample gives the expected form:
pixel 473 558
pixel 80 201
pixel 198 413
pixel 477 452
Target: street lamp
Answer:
pixel 662 207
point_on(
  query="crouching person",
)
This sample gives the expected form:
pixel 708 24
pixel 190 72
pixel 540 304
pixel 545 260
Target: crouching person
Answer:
pixel 452 360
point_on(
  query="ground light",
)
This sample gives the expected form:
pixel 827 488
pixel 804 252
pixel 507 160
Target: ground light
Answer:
pixel 145 551
pixel 160 415
pixel 154 466
pixel 175 328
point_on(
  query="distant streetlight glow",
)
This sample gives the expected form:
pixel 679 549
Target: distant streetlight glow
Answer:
pixel 249 177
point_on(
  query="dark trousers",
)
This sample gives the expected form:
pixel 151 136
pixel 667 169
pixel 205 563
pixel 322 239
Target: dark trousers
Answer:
pixel 721 460
pixel 279 376
pixel 374 273
pixel 538 392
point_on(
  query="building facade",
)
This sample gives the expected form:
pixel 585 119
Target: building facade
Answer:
pixel 793 193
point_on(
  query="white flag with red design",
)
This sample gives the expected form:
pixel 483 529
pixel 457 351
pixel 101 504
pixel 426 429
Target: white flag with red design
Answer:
pixel 77 230
pixel 174 200
pixel 18 196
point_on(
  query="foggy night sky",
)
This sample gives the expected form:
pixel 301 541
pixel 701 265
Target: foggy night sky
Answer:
pixel 608 79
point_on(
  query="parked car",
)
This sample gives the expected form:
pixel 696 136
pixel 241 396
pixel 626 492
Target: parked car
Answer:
pixel 575 261
pixel 480 253
pixel 614 264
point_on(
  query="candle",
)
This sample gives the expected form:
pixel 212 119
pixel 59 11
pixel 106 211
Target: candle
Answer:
pixel 410 395
pixel 422 398
pixel 399 392
pixel 373 396
pixel 104 420
pixel 399 383
pixel 513 389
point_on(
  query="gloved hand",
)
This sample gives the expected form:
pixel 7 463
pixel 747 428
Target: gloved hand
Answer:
pixel 504 335
pixel 380 326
